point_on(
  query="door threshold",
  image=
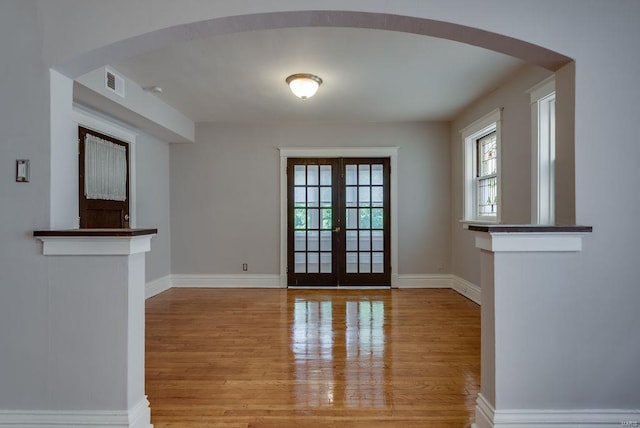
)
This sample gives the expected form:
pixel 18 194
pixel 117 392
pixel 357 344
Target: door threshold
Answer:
pixel 339 287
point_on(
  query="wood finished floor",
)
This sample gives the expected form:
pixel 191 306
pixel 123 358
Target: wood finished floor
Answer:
pixel 312 358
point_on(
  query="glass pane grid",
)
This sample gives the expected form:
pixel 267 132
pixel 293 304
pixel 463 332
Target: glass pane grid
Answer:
pixel 364 222
pixel 313 219
pixel 487 155
pixel 487 169
pixel 364 200
pixel 487 196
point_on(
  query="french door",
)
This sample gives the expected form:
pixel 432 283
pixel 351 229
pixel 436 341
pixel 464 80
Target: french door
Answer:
pixel 338 222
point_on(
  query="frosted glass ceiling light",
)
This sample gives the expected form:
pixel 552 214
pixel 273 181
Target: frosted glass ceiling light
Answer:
pixel 304 85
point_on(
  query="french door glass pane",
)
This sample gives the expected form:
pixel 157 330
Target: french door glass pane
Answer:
pixel 377 196
pixel 313 243
pixel 312 175
pixel 299 175
pixel 352 218
pixel 300 199
pixel 377 240
pixel 365 240
pixel 325 241
pixel 378 263
pixel 313 218
pixel 325 175
pixel 312 197
pixel 364 175
pixel 365 218
pixel 325 196
pixel 352 262
pixel 300 243
pixel 313 262
pixel 377 218
pixel 352 240
pixel 364 196
pixel 327 221
pixel 300 218
pixel 365 262
pixel 351 176
pixel 376 175
pixel 351 196
pixel 325 262
pixel 300 262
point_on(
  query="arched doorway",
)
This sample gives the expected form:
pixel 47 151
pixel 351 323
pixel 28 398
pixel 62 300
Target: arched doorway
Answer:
pixel 156 39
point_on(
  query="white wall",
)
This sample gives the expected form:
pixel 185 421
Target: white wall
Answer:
pixel 601 36
pixel 152 201
pixel 225 193
pixel 515 164
pixel 24 121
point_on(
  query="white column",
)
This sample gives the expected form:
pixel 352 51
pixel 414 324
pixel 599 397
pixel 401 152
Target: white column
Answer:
pixel 95 362
pixel 523 271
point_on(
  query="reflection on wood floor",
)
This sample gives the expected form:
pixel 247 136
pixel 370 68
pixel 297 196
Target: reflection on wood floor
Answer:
pixel 312 358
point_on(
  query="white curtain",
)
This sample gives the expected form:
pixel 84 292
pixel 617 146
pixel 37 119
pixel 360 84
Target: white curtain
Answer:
pixel 105 169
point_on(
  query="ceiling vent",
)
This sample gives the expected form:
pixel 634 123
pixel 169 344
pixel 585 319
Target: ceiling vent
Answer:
pixel 113 82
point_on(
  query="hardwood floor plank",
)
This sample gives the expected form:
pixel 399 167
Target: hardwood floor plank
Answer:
pixel 312 358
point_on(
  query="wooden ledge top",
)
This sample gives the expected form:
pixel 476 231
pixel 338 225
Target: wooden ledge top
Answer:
pixel 79 233
pixel 529 228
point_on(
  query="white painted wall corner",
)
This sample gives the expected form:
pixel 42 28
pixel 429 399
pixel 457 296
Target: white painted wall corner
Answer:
pixel 468 289
pixel 157 286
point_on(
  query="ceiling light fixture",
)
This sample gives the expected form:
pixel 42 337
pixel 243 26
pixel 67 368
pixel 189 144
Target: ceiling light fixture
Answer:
pixel 304 85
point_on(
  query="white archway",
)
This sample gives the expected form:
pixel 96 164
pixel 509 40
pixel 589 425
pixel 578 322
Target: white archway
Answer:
pixel 140 44
pixel 174 34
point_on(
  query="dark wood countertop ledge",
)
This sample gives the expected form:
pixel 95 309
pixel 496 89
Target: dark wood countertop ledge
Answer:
pixel 528 228
pixel 77 233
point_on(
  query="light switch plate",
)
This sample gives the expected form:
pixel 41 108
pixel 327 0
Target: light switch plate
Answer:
pixel 22 170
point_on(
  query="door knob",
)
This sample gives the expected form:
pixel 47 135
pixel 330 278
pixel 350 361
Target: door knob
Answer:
pixel 337 229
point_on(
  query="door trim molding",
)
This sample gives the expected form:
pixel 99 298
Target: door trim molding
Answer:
pixel 339 152
pixel 86 118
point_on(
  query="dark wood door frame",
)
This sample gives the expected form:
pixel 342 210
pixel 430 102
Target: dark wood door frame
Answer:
pixel 342 273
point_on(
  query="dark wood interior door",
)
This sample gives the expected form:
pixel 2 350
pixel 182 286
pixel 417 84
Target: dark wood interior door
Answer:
pixel 365 242
pixel 312 229
pixel 338 222
pixel 101 213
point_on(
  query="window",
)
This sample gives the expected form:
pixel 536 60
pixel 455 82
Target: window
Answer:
pixel 481 165
pixel 487 175
pixel 543 148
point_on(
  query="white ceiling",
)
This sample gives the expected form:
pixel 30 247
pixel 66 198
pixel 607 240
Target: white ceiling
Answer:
pixel 369 75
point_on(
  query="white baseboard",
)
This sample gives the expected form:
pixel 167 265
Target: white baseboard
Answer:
pixel 462 286
pixel 488 417
pixel 226 281
pixel 138 416
pixel 424 281
pixel 468 289
pixel 157 286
